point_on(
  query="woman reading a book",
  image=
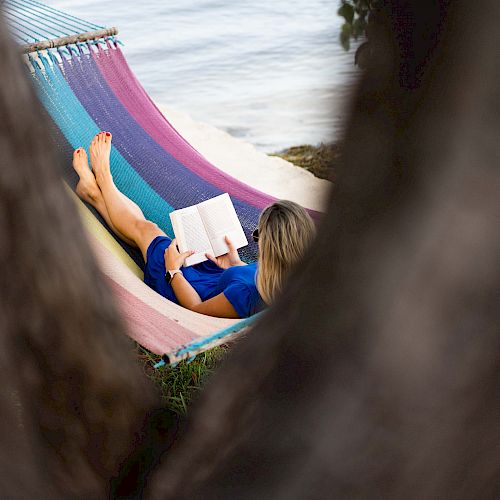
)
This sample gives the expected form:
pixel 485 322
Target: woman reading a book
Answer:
pixel 221 286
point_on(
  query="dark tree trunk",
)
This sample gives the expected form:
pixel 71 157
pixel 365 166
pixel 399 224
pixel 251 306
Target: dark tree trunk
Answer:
pixel 376 374
pixel 72 396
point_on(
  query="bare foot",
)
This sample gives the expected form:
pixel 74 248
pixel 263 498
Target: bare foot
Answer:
pixel 100 149
pixel 87 188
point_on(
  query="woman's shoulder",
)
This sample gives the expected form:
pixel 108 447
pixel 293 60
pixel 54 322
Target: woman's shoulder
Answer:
pixel 242 273
pixel 239 287
pixel 241 277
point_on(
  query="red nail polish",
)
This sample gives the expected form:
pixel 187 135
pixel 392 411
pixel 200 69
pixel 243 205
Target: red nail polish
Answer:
pixel 108 134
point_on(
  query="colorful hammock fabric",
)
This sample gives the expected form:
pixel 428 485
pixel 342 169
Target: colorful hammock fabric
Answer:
pixel 89 87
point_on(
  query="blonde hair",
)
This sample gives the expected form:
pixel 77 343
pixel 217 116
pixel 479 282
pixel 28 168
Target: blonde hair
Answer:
pixel 285 232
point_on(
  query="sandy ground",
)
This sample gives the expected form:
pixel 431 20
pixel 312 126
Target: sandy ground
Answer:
pixel 242 160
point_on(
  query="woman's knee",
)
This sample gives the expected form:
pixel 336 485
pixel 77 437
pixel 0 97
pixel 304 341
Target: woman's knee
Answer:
pixel 144 225
pixel 145 232
pixel 145 228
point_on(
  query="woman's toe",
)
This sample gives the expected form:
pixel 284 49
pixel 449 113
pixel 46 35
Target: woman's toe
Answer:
pixel 79 153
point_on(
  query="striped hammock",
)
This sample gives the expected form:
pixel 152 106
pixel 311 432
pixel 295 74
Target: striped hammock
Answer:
pixel 87 87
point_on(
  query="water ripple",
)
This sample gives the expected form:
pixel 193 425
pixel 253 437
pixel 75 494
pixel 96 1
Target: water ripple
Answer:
pixel 272 73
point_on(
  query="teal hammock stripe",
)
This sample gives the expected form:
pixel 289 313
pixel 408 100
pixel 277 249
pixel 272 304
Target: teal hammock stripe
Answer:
pixel 158 170
pixel 78 127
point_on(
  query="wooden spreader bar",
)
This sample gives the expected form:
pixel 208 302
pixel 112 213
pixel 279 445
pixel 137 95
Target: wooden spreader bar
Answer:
pixel 67 40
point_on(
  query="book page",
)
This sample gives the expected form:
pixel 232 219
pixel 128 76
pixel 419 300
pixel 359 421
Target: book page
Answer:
pixel 191 235
pixel 220 219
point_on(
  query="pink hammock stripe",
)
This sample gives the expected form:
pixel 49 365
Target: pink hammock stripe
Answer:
pixel 134 98
pixel 147 326
pixel 154 322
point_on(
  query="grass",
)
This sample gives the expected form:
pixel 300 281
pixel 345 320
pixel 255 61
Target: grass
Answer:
pixel 180 385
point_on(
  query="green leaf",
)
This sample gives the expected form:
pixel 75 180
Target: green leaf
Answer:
pixel 346 29
pixel 347 12
pixel 345 36
pixel 358 27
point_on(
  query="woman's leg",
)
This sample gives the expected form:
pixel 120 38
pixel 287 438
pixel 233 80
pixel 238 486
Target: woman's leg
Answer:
pixel 88 190
pixel 125 216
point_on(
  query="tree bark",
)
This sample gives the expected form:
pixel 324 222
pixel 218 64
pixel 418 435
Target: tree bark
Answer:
pixel 376 373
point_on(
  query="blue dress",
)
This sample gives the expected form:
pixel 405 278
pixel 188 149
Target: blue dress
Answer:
pixel 237 283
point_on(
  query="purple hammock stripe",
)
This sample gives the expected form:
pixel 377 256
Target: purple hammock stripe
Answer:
pixel 169 178
pixel 175 183
pixel 130 92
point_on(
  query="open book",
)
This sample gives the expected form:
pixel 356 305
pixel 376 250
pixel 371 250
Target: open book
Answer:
pixel 202 228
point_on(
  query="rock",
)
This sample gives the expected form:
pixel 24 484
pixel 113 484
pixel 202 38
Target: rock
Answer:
pixel 320 160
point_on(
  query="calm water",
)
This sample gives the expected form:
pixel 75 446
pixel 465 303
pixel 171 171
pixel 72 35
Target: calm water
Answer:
pixel 270 72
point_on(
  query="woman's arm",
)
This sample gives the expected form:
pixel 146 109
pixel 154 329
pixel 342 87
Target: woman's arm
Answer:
pixel 187 296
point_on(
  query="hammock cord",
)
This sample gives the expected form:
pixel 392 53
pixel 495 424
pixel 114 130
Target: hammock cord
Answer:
pixel 56 14
pixel 26 21
pixel 40 22
pixel 25 28
pixel 28 35
pixel 47 21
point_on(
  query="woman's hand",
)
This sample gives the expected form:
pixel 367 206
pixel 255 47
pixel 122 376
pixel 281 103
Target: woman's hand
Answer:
pixel 227 260
pixel 174 259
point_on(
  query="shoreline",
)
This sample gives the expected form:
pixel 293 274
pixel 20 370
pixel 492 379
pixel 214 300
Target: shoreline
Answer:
pixel 275 174
pixel 320 160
